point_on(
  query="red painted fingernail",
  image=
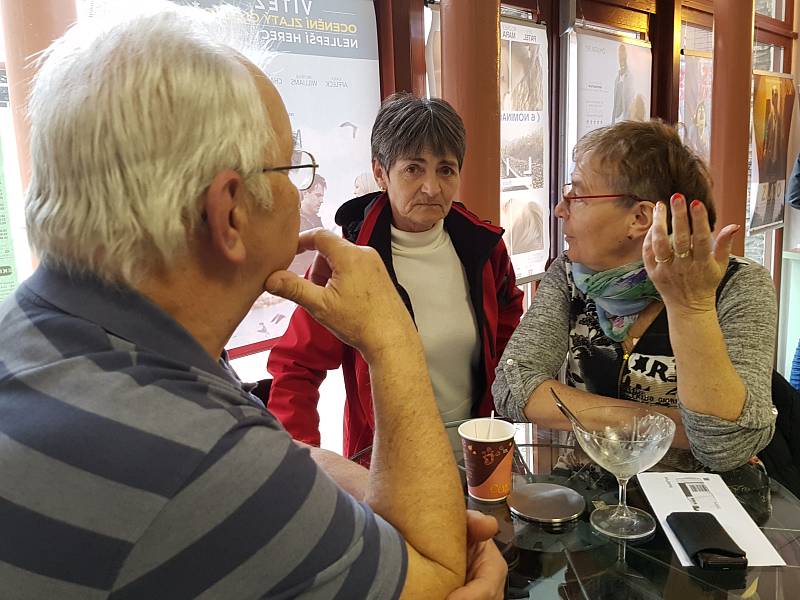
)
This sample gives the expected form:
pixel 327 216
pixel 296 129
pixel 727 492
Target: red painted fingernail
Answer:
pixel 695 203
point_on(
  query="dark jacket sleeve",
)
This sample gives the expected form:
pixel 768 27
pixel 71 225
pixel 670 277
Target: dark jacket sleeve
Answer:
pixel 298 363
pixel 793 185
pixel 509 298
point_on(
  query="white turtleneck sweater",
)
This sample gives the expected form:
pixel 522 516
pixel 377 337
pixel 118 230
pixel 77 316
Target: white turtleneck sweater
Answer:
pixel 428 268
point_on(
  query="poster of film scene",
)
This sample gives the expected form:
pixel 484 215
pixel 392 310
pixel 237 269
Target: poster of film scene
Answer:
pixel 8 263
pixel 773 102
pixel 326 56
pixel 613 81
pixel 523 145
pixel 694 108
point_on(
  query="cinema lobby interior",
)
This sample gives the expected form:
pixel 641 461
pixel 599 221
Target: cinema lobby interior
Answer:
pixel 400 299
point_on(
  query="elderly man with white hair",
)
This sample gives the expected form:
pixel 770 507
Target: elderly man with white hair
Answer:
pixel 133 464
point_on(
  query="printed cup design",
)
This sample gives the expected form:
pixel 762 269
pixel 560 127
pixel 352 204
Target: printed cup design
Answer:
pixel 488 459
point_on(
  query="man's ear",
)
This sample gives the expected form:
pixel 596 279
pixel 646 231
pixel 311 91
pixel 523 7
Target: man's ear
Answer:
pixel 381 176
pixel 226 215
pixel 641 219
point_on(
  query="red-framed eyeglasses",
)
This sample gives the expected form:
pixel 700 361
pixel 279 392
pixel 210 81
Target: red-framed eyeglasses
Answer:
pixel 568 196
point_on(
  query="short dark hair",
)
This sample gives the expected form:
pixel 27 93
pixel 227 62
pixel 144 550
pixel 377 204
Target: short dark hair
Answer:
pixel 648 158
pixel 406 125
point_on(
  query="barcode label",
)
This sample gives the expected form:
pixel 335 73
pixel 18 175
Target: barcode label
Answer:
pixel 698 495
pixel 697 487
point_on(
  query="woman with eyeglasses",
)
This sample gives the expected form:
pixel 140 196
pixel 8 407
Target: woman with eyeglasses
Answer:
pixel 648 306
pixel 450 268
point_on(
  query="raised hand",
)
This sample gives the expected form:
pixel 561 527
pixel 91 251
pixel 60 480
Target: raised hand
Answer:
pixel 349 292
pixel 687 269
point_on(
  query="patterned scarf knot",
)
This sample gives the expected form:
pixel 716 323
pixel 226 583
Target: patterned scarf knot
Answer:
pixel 620 295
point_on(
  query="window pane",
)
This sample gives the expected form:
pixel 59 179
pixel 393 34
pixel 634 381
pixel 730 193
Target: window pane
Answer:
pixel 694 37
pixel 767 57
pixel 770 8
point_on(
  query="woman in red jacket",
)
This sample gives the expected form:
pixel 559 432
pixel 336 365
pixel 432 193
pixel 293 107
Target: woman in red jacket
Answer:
pixel 450 268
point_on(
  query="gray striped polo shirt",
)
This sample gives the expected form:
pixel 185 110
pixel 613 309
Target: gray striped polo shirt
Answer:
pixel 133 465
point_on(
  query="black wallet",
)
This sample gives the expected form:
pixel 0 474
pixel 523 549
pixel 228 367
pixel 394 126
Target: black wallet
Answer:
pixel 706 541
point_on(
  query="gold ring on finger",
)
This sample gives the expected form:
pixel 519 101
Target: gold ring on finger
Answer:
pixel 684 254
pixel 665 260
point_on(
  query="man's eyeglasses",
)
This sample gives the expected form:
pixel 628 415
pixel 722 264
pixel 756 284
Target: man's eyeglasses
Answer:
pixel 302 170
pixel 568 196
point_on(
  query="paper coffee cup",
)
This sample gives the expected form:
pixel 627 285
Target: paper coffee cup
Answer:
pixel 488 454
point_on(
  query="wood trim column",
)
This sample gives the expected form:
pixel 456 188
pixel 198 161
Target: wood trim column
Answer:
pixel 30 26
pixel 401 46
pixel 470 82
pixel 559 13
pixel 730 111
pixel 665 32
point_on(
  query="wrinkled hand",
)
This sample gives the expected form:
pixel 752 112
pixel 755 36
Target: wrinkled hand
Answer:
pixel 348 291
pixel 486 567
pixel 686 271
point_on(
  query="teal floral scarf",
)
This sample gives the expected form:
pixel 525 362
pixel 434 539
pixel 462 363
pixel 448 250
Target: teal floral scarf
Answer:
pixel 620 295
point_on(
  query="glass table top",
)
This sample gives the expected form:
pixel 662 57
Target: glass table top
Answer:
pixel 573 561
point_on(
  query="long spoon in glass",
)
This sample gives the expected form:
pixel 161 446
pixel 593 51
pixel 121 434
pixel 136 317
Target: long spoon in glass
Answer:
pixel 566 411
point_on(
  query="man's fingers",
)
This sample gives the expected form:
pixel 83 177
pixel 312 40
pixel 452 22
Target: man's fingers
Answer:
pixel 486 578
pixel 321 240
pixel 477 589
pixel 305 242
pixel 290 286
pixel 320 270
pixel 480 527
pixel 327 243
pixel 283 284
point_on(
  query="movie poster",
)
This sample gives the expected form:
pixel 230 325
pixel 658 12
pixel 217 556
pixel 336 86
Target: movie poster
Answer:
pixel 773 102
pixel 326 70
pixel 327 57
pixel 613 80
pixel 8 265
pixel 524 134
pixel 697 70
